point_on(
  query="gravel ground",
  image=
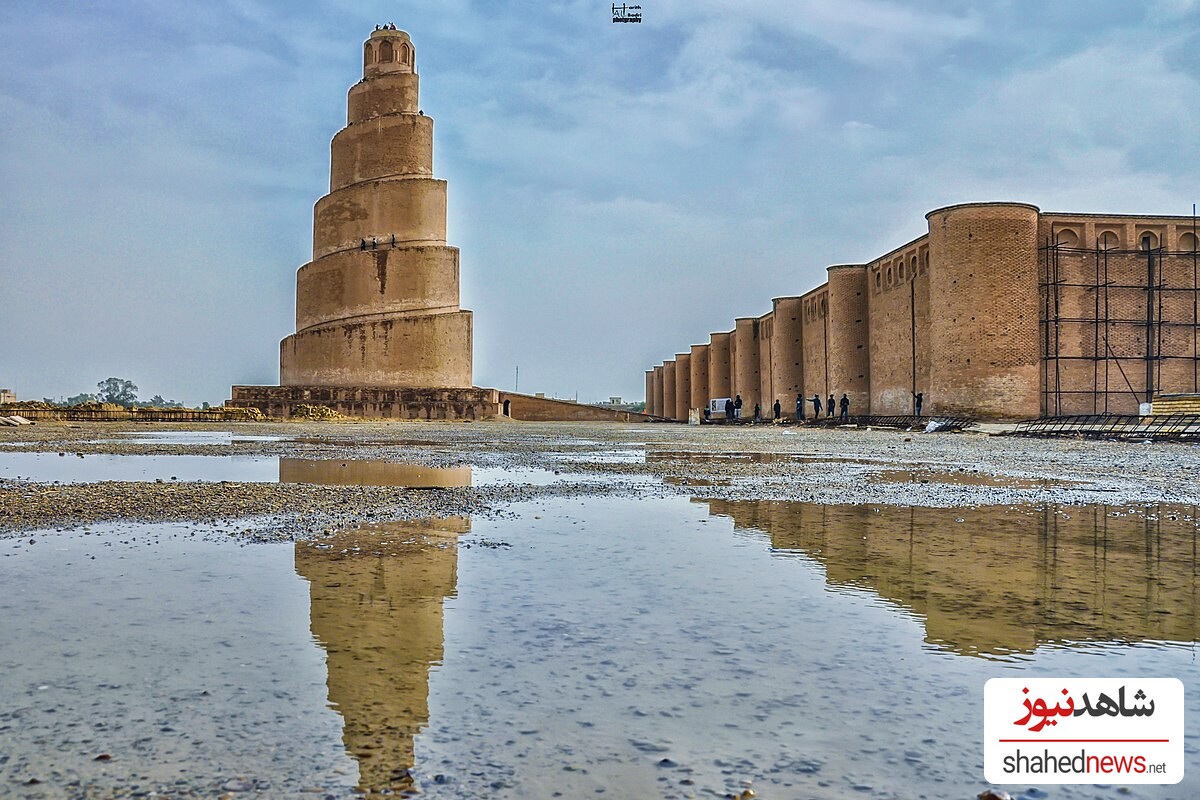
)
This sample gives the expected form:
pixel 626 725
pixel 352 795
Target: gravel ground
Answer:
pixel 764 462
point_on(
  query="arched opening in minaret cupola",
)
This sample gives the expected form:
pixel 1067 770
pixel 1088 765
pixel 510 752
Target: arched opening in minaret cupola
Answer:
pixel 368 54
pixel 386 55
pixel 405 54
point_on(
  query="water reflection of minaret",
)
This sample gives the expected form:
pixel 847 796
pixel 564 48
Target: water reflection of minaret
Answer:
pixel 991 581
pixel 376 608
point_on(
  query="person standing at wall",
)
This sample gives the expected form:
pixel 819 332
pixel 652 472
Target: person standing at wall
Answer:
pixel 728 410
pixel 918 399
pixel 757 412
pixel 737 407
pixel 844 404
pixel 816 401
pixel 829 408
pixel 799 407
pixel 778 411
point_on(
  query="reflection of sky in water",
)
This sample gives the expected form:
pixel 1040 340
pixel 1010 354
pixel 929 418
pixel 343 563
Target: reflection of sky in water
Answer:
pixel 196 437
pixel 644 647
pixel 76 468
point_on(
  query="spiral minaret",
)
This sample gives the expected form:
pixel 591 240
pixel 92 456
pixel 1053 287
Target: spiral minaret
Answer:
pixel 378 304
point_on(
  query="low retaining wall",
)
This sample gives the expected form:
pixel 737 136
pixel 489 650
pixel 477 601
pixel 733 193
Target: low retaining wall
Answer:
pixel 366 401
pixel 543 409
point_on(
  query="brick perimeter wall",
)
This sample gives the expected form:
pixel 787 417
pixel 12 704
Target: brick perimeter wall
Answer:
pixel 699 385
pixel 849 361
pixel 813 339
pixel 683 385
pixel 719 365
pixel 984 277
pixel 766 345
pixel 787 352
pixel 962 316
pixel 898 289
pixel 668 389
pixel 746 382
pixel 658 391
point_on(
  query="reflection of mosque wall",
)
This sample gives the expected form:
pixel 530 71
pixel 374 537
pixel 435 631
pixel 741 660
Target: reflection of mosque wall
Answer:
pixel 357 472
pixel 1001 580
pixel 376 608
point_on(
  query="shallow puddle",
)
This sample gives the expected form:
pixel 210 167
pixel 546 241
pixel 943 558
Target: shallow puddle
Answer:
pixel 631 648
pixel 81 468
pixel 194 437
pixel 87 468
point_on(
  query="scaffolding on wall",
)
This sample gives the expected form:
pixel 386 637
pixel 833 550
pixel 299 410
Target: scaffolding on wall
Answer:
pixel 1146 353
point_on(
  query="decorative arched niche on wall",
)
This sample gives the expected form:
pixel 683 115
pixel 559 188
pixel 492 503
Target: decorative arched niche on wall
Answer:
pixel 1108 240
pixel 386 54
pixel 1188 242
pixel 405 54
pixel 1148 240
pixel 368 54
pixel 1066 238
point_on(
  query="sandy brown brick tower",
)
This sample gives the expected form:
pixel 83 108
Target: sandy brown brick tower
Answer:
pixel 379 330
pixel 378 304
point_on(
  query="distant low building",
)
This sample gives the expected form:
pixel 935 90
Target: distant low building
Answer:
pixel 7 396
pixel 618 404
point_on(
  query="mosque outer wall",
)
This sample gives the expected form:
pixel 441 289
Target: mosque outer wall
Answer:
pixel 699 378
pixel 658 390
pixel 787 367
pixel 683 385
pixel 746 363
pixel 719 365
pixel 766 390
pixel 668 389
pixel 999 311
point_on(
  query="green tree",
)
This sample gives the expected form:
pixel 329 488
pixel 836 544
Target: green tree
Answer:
pixel 117 390
pixel 158 402
pixel 80 399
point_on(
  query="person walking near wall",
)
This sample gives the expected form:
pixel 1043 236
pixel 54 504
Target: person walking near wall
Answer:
pixel 757 412
pixel 844 404
pixel 816 401
pixel 737 407
pixel 829 408
pixel 918 399
pixel 778 411
pixel 799 408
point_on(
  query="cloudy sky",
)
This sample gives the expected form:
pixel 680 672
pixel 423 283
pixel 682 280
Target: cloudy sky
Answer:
pixel 618 191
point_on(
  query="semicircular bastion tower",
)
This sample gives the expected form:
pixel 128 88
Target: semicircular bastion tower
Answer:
pixel 379 331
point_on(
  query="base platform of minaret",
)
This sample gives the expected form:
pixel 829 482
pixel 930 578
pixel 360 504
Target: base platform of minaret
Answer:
pixel 376 402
